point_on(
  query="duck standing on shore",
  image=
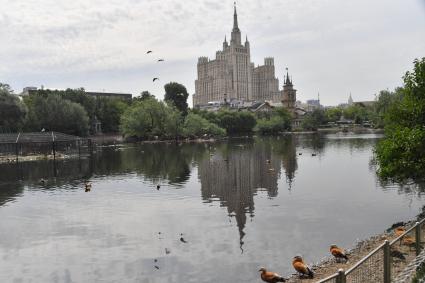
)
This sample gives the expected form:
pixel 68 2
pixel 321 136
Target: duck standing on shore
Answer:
pixel 338 253
pixel 399 231
pixel 270 277
pixel 301 267
pixel 409 241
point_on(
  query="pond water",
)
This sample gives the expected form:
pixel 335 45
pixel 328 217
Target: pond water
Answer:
pixel 223 210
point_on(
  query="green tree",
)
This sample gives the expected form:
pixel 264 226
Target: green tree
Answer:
pixel 401 155
pixel 53 113
pixel 279 121
pixel 145 119
pixel 143 96
pixel 196 126
pixel 135 122
pixel 12 110
pixel 174 123
pixel 177 94
pixel 313 120
pixel 77 95
pixel 212 117
pixel 358 113
pixel 80 96
pixel 6 88
pixel 109 111
pixel 333 114
pixel 236 122
pixel 384 103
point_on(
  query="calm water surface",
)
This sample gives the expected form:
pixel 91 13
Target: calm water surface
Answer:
pixel 234 210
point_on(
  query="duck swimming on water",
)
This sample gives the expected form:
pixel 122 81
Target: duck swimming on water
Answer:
pixel 87 186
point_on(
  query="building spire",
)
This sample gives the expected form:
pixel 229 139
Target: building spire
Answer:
pixel 236 33
pixel 287 81
pixel 235 19
pixel 350 99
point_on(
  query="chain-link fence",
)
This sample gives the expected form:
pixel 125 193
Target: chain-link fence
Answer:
pixel 42 144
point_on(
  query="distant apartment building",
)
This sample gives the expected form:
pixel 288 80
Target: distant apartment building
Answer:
pixel 126 96
pixel 231 76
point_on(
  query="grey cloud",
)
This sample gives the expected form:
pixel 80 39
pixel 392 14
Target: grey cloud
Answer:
pixel 331 46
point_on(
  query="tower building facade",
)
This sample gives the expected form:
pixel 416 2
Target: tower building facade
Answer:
pixel 289 95
pixel 232 75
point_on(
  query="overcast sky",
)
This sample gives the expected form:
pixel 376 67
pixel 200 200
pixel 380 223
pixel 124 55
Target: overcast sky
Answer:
pixel 330 46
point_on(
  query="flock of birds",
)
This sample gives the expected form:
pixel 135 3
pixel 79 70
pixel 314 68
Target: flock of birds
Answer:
pixel 159 60
pixel 406 240
pixel 339 254
pixel 301 267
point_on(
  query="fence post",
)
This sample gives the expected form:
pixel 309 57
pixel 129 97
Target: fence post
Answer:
pixel 387 262
pixel 90 147
pixel 17 146
pixel 418 238
pixel 54 150
pixel 341 276
pixel 17 151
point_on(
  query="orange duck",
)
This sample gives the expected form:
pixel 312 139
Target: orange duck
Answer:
pixel 301 267
pixel 399 231
pixel 270 277
pixel 338 253
pixel 409 241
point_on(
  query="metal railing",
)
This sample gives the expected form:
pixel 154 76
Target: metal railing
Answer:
pixel 384 262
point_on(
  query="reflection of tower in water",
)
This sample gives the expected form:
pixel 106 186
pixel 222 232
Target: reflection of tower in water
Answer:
pixel 235 178
pixel 286 148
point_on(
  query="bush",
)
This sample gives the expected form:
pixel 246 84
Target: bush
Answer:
pixel 236 122
pixel 279 121
pixel 195 125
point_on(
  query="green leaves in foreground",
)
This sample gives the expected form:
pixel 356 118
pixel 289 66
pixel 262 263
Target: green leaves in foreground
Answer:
pixel 401 155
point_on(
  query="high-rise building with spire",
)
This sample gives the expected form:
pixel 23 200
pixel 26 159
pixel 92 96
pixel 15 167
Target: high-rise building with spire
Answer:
pixel 350 100
pixel 232 75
